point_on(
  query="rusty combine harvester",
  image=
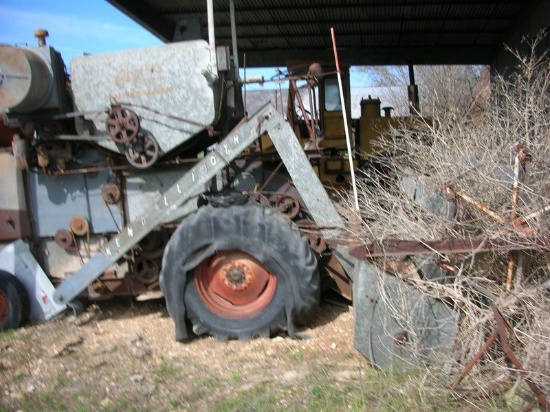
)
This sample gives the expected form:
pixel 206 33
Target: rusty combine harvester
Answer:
pixel 140 174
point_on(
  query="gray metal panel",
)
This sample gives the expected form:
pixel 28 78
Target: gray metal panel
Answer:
pixel 103 218
pixel 426 326
pixel 56 199
pixel 17 260
pixel 164 85
pixel 144 189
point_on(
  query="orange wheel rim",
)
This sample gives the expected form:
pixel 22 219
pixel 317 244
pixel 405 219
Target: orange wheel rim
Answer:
pixel 4 308
pixel 234 285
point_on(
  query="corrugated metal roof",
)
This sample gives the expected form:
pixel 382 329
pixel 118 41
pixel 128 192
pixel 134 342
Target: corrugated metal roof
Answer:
pixel 368 31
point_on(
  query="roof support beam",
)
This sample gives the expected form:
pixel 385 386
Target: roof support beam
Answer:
pixel 147 17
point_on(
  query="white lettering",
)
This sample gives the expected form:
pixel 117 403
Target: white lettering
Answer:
pixel 236 139
pixel 166 201
pixel 178 188
pixel 227 151
pixel 213 160
pixel 117 242
pixel 193 177
pixel 130 232
pixel 108 251
pixel 143 221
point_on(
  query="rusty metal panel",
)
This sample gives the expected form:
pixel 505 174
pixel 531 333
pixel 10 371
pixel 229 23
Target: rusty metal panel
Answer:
pixel 14 222
pixel 165 85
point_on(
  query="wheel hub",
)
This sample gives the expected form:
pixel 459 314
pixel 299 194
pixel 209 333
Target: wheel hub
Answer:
pixel 237 276
pixel 234 284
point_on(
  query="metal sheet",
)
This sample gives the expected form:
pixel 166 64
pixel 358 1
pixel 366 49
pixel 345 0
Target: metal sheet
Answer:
pixel 164 85
pixel 16 259
pixel 56 199
pixel 144 189
pixel 395 325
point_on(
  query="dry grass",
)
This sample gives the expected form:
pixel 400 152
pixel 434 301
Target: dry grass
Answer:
pixel 471 150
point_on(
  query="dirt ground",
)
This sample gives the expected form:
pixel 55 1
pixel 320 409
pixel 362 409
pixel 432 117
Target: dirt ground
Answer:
pixel 121 355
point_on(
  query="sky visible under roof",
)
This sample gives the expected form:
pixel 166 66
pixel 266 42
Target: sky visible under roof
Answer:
pixel 75 26
pixel 88 26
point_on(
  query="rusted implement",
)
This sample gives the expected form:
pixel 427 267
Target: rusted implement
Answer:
pixel 502 331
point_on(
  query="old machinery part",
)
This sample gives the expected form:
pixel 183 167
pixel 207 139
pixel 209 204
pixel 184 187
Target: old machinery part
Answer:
pixel 148 81
pixel 311 232
pixel 143 151
pixel 79 225
pixel 254 273
pixel 152 245
pixel 19 148
pixel 260 198
pixel 14 302
pixel 234 285
pixel 122 124
pixel 110 192
pixel 174 203
pixel 146 270
pixel 25 80
pixel 64 239
pixel 288 205
pixel 228 199
pixel 41 35
pixel 50 153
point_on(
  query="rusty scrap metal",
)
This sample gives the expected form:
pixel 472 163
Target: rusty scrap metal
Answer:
pixel 501 331
pixel 411 247
pixel 79 225
pixel 308 229
pixel 110 192
pixel 287 205
pixel 122 125
pixel 450 191
pixel 310 129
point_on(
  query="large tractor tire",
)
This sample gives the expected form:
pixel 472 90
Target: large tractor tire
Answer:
pixel 14 302
pixel 239 272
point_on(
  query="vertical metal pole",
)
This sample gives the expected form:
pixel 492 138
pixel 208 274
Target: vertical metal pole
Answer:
pixel 414 102
pixel 234 36
pixel 515 195
pixel 344 113
pixel 212 36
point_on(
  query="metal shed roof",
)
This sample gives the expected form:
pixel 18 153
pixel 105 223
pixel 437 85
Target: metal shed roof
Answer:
pixel 367 32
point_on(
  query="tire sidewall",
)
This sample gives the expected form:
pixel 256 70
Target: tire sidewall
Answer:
pixel 14 292
pixel 262 233
pixel 274 313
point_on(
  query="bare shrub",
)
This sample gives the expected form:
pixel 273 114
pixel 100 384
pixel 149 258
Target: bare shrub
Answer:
pixel 468 159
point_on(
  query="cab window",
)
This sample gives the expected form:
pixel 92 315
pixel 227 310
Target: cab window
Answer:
pixel 332 95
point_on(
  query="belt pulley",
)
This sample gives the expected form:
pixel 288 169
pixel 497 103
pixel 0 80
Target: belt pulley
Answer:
pixel 123 127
